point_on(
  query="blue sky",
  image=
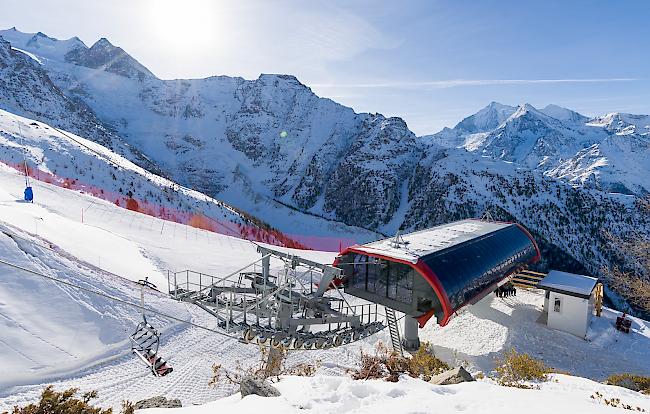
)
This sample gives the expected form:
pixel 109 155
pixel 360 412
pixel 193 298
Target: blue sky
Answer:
pixel 429 62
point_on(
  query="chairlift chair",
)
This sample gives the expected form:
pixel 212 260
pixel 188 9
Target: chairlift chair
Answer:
pixel 146 340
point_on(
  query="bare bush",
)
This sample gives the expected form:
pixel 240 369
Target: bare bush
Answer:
pixel 271 365
pixel 634 288
pixel 614 402
pixel 388 365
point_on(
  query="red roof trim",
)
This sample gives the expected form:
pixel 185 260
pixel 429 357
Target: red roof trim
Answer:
pixel 435 283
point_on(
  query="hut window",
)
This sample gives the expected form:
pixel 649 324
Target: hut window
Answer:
pixel 557 305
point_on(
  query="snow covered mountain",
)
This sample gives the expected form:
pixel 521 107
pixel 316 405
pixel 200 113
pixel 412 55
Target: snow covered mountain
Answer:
pixel 269 141
pixel 274 149
pixel 611 153
pixel 26 90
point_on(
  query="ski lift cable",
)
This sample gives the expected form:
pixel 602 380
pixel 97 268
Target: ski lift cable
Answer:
pixel 113 298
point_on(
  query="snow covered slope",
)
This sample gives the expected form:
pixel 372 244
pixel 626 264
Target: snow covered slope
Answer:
pixel 611 152
pixel 183 147
pixel 322 394
pixel 254 144
pixel 56 156
pixel 48 329
pixel 51 330
pixel 113 247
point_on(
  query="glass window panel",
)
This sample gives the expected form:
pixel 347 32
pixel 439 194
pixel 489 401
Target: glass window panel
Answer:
pixel 360 268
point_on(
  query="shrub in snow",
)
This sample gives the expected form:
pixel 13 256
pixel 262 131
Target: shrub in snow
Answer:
pixel 515 369
pixel 614 402
pixel 384 364
pixel 271 366
pixel 424 363
pixel 630 381
pixel 66 402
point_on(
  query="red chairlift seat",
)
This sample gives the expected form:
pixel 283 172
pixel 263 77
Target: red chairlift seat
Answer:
pixel 145 342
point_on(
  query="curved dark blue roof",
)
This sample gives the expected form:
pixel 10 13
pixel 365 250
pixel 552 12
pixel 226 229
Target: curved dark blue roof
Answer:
pixel 461 263
pixel 467 269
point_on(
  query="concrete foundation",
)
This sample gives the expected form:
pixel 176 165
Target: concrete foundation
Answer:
pixel 411 340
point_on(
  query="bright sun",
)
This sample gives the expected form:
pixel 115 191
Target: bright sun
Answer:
pixel 184 23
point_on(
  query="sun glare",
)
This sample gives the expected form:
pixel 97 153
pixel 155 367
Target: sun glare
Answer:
pixel 188 24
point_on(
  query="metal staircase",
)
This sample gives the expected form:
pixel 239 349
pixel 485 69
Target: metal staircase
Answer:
pixel 393 329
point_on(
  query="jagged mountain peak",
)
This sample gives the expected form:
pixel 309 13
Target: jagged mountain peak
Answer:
pixel 498 105
pixel 525 108
pixel 44 36
pixel 527 112
pixel 104 55
pixel 274 79
pixel 41 44
pixel 563 114
pixel 103 43
pixel 486 119
pixel 101 55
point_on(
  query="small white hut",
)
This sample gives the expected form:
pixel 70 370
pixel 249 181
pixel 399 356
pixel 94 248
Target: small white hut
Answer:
pixel 569 302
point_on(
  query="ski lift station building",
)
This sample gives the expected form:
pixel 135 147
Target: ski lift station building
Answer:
pixel 569 301
pixel 437 271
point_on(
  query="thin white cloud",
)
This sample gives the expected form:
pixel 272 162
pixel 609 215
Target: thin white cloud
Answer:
pixel 466 82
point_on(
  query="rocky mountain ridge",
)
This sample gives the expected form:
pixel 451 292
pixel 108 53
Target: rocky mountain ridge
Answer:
pixel 609 152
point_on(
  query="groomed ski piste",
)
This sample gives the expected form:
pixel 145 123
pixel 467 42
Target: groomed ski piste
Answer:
pixel 56 334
